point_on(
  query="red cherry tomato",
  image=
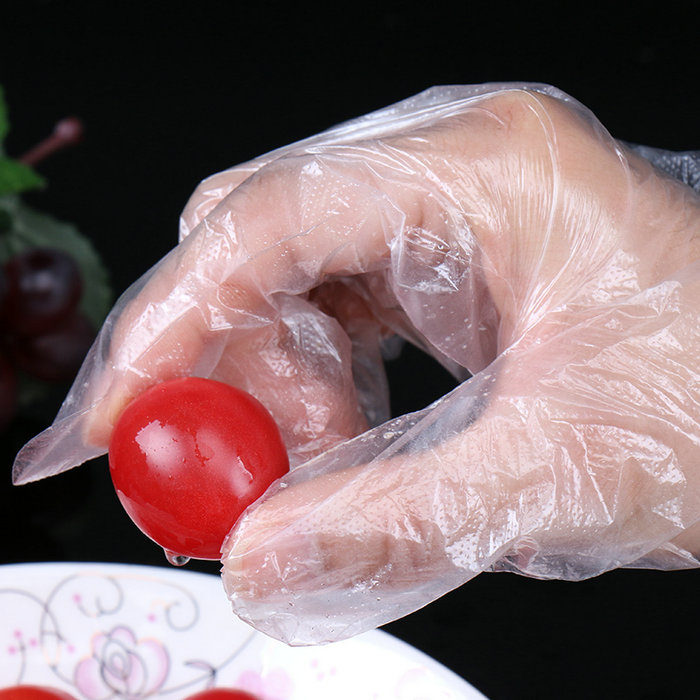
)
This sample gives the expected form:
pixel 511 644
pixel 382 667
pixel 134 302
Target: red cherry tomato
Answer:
pixel 33 692
pixel 188 456
pixel 222 694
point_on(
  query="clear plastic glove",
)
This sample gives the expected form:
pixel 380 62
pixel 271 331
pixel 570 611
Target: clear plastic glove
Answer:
pixel 504 231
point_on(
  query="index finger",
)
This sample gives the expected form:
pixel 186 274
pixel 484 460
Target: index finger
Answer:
pixel 297 222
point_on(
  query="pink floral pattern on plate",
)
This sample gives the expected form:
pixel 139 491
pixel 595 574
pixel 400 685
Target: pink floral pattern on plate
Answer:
pixel 122 665
pixel 116 632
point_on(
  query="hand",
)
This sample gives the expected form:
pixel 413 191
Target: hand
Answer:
pixel 504 231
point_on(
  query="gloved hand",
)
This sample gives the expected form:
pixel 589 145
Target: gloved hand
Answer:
pixel 504 231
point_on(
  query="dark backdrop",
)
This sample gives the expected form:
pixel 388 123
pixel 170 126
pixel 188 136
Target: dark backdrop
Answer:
pixel 169 97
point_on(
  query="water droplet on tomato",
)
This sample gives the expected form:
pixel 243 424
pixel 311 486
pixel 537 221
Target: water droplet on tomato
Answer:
pixel 176 559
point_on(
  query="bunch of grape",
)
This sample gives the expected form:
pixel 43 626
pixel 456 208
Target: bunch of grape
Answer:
pixel 43 333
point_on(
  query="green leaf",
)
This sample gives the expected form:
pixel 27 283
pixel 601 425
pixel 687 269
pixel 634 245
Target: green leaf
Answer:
pixel 14 176
pixel 32 229
pixel 17 177
pixel 4 119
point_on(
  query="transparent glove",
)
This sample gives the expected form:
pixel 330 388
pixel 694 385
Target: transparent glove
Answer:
pixel 501 229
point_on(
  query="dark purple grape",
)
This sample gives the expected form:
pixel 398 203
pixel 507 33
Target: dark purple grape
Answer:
pixel 44 287
pixel 8 392
pixel 56 356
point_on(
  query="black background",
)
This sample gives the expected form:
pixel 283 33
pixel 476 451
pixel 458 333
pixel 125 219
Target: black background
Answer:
pixel 170 96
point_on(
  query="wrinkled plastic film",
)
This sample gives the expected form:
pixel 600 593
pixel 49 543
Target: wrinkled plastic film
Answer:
pixel 64 444
pixel 683 166
pixel 505 232
pixel 571 523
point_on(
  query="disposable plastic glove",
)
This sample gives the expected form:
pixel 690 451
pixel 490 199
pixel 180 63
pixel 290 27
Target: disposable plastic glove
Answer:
pixel 503 230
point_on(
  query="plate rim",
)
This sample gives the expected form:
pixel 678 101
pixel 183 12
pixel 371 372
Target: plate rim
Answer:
pixel 380 637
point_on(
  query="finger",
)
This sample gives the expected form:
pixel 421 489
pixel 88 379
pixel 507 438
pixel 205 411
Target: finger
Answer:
pixel 369 336
pixel 431 200
pixel 333 211
pixel 341 547
pixel 277 236
pixel 211 191
pixel 562 461
pixel 303 369
pixel 425 107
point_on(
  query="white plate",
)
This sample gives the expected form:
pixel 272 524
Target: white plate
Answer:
pixel 104 631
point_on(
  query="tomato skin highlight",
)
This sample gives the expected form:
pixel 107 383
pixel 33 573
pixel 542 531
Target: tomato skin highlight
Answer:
pixel 222 694
pixel 33 692
pixel 188 456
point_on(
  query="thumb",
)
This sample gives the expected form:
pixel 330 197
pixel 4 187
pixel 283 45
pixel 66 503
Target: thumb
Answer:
pixel 347 543
pixel 557 461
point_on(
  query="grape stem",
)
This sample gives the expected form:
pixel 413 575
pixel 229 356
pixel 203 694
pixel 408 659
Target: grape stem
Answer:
pixel 67 132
